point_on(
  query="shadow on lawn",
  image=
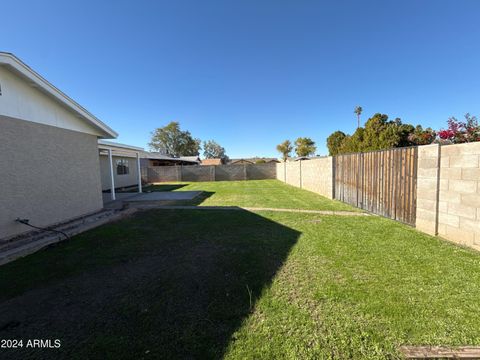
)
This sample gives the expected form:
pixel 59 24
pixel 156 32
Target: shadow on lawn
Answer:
pixel 162 284
pixel 149 188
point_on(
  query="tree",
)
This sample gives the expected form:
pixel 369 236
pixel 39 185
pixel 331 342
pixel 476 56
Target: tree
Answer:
pixel 461 131
pixel 379 133
pixel 172 141
pixel 212 150
pixel 422 137
pixel 335 142
pixel 305 146
pixel 285 148
pixel 358 110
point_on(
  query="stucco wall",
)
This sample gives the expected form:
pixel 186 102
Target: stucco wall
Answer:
pixel 20 100
pixel 124 180
pixel 48 175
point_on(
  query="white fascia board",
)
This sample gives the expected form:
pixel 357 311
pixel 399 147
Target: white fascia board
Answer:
pixel 11 61
pixel 103 144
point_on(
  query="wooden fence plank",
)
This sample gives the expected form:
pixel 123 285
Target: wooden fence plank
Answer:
pixel 383 182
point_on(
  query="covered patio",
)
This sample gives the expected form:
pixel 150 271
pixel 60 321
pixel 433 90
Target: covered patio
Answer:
pixel 120 167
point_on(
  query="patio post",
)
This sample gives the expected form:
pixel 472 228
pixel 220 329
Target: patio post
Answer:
pixel 139 173
pixel 112 181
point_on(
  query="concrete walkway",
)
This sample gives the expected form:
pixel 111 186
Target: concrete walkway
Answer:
pixel 239 208
pixel 147 197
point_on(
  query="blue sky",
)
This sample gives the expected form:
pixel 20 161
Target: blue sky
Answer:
pixel 248 73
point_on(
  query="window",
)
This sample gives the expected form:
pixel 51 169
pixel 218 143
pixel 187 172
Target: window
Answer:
pixel 122 166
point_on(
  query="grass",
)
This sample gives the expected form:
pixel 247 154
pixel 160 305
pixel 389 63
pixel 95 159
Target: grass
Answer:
pixel 257 193
pixel 243 285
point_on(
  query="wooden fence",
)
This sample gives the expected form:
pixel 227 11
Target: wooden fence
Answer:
pixel 383 182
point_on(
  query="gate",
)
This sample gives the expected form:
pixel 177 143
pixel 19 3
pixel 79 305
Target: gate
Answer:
pixel 382 182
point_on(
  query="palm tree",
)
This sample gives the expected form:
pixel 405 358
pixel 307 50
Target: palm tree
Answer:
pixel 285 149
pixel 358 110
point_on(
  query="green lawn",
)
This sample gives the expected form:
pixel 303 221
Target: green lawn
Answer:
pixel 256 193
pixel 242 285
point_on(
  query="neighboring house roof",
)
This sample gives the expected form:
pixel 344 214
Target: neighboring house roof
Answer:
pixel 253 160
pixel 159 156
pixel 305 158
pixel 190 158
pixel 235 161
pixel 20 68
pixel 212 162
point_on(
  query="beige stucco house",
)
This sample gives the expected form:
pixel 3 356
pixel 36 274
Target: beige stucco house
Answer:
pixel 49 157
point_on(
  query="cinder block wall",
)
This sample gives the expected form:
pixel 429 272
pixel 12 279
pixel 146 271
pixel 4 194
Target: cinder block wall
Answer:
pixel 293 173
pixel 317 176
pixel 448 192
pixel 211 172
pixel 459 194
pixel 261 171
pixel 281 171
pixel 427 193
pixel 163 173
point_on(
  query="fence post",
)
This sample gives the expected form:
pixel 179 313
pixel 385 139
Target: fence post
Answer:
pixel 212 173
pixel 285 171
pixel 300 172
pixel 180 173
pixel 334 170
pixel 244 171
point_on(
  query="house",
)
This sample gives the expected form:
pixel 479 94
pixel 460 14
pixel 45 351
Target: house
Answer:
pixel 120 166
pixel 298 158
pixel 49 152
pixel 212 162
pixel 255 160
pixel 240 162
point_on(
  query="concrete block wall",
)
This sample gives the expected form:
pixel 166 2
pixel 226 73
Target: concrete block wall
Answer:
pixel 293 173
pixel 261 171
pixel 280 169
pixel 317 176
pixel 459 194
pixel 448 192
pixel 427 194
pixel 210 172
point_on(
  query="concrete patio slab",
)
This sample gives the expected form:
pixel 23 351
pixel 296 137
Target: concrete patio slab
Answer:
pixel 163 196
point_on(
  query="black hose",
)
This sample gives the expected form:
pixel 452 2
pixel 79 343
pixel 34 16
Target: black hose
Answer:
pixel 25 222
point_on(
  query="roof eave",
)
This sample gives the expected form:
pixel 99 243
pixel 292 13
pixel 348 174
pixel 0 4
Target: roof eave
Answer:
pixel 10 60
